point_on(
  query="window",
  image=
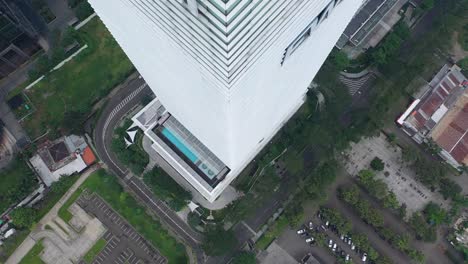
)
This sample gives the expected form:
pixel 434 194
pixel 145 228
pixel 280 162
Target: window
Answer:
pixel 307 32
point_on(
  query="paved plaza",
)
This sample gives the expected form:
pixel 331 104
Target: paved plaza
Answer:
pixel 124 244
pixel 399 177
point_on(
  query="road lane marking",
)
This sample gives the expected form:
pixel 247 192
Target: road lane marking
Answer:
pixel 151 200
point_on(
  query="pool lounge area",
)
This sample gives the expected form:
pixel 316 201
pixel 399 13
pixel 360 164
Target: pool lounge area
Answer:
pixel 191 151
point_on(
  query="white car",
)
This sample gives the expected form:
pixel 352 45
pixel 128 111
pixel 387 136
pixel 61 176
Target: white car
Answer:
pixel 342 237
pixel 349 242
pixel 309 240
pixel 347 257
pixel 311 225
pixel 334 247
pixel 300 231
pixel 353 247
pixel 327 223
pixel 364 257
pixel 330 243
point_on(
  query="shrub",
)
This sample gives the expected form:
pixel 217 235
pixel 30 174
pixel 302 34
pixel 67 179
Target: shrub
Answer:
pixel 377 164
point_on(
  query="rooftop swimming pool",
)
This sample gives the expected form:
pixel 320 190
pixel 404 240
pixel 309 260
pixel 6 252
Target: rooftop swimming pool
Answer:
pixel 188 151
pixel 179 144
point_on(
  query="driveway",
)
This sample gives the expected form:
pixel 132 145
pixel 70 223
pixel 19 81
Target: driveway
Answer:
pixel 124 101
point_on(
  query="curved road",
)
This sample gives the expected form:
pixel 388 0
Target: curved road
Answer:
pixel 125 100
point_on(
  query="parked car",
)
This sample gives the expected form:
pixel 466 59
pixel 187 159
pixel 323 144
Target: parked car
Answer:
pixel 301 231
pixel 347 258
pixel 323 227
pixel 364 257
pixel 9 233
pixel 353 247
pixel 310 225
pixel 330 243
pixel 349 241
pixel 334 247
pixel 327 223
pixel 342 237
pixel 310 240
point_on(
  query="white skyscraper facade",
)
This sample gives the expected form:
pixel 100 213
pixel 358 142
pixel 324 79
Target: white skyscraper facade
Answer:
pixel 227 74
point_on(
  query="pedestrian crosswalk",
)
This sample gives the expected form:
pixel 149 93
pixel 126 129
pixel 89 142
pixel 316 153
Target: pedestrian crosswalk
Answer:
pixel 122 104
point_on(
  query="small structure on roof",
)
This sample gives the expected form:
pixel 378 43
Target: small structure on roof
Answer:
pixel 440 114
pixel 64 156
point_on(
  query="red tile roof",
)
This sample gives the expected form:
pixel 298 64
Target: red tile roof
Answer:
pixel 431 104
pixel 460 151
pixel 420 120
pixel 447 87
pixel 88 156
pixel 449 138
pixel 455 80
pixel 442 92
pixel 454 139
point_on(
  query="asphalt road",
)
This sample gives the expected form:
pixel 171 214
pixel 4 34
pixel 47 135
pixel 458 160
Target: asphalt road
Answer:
pixel 118 106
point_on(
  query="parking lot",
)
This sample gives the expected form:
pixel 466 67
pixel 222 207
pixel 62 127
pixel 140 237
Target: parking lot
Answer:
pixel 295 244
pixel 399 177
pixel 124 244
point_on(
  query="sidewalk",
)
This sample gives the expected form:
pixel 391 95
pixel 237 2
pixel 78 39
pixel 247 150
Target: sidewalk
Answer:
pixel 29 242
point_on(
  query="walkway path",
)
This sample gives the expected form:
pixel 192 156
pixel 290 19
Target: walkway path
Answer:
pixel 29 242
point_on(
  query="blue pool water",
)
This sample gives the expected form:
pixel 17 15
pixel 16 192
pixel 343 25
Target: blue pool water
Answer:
pixel 172 137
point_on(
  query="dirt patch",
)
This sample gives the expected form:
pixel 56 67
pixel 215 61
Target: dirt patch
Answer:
pixel 458 52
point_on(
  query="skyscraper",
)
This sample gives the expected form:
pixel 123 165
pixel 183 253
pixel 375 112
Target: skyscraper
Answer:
pixel 227 73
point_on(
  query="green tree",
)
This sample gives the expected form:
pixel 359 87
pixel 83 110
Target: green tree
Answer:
pixel 387 234
pixel 449 188
pixel 375 218
pixel 294 214
pixel 463 64
pixel 390 201
pixel 350 194
pixel 402 242
pixel 244 258
pixel 410 155
pixel 218 241
pixel 422 229
pixel 372 254
pixel 73 122
pixel 383 260
pixel 340 60
pixel 435 214
pixel 69 37
pixel 83 10
pixel 366 176
pixel 377 164
pixel 163 186
pixel 427 4
pixel 377 188
pixel 23 217
pixel 416 255
pixel 429 172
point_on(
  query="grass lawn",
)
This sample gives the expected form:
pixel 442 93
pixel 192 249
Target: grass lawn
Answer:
pixel 92 253
pixel 110 190
pixel 80 83
pixel 33 255
pixel 272 233
pixel 17 181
